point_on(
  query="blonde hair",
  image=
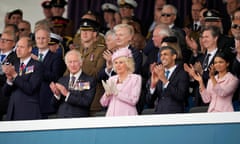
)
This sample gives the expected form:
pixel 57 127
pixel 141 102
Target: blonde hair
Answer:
pixel 127 26
pixel 129 61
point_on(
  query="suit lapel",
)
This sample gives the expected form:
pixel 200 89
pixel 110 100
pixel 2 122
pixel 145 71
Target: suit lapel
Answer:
pixel 173 75
pixel 47 57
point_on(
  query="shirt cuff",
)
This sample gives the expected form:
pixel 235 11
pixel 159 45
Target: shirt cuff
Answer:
pixel 152 90
pixel 68 94
pixel 57 97
pixel 238 58
pixel 9 82
pixel 108 73
pixel 165 86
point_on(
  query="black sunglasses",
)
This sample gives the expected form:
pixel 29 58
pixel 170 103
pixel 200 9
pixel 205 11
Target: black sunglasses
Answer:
pixel 235 26
pixel 166 15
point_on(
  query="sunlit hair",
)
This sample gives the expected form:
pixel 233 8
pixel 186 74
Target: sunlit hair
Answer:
pixel 73 52
pixel 129 27
pixel 129 61
pixel 164 30
pixel 29 41
pixel 42 24
pixel 110 33
pixel 44 29
pixel 12 34
pixel 173 8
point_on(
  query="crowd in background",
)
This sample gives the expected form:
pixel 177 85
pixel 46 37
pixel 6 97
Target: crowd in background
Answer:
pixel 113 68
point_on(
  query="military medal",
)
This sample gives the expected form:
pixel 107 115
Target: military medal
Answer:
pixel 91 57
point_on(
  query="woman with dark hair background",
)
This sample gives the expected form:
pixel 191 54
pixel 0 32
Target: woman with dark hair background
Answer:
pixel 220 88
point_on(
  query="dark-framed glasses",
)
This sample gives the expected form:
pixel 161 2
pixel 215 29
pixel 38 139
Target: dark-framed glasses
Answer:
pixel 5 40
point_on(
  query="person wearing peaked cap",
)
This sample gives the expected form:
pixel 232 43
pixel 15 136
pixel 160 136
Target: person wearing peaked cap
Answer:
pixel 46 4
pixel 87 41
pixel 58 3
pixel 212 15
pixel 59 24
pixel 127 3
pixel 88 24
pixel 55 44
pixel 58 9
pixel 126 7
pixel 59 21
pixel 213 18
pixel 108 14
pixel 108 7
pixel 15 16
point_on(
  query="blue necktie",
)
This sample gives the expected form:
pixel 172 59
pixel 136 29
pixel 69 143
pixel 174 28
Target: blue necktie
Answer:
pixel 2 57
pixel 167 73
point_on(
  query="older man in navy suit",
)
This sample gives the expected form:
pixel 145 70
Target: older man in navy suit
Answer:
pixel 23 82
pixel 169 83
pixel 74 93
pixel 54 68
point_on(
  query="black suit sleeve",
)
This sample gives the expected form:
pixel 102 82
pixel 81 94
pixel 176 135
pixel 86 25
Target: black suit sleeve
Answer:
pixel 54 68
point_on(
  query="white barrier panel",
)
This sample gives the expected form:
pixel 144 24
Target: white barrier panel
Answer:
pixel 207 128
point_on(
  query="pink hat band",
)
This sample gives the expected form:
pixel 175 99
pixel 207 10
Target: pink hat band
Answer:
pixel 125 52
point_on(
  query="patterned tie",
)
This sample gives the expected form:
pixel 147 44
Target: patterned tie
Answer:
pixel 205 62
pixel 40 57
pixel 71 83
pixel 21 68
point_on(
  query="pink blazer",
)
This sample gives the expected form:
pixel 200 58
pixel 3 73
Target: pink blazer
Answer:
pixel 124 103
pixel 220 95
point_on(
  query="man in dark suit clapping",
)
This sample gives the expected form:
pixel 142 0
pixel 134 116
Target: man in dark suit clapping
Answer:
pixel 74 93
pixel 23 82
pixel 168 83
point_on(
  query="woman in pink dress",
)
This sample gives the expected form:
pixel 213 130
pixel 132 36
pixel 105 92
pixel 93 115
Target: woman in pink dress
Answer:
pixel 220 87
pixel 122 91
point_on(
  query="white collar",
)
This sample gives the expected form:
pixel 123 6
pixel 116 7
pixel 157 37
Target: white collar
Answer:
pixel 76 75
pixel 26 61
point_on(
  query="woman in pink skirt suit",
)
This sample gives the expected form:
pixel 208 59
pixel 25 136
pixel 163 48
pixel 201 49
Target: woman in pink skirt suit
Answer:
pixel 125 87
pixel 220 87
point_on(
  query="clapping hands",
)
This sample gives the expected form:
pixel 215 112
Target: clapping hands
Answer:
pixel 110 87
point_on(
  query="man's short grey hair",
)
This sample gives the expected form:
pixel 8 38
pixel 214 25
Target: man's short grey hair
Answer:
pixel 164 30
pixel 110 33
pixel 174 9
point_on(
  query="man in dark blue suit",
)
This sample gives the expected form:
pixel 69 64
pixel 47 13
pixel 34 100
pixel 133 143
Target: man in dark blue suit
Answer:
pixel 23 82
pixel 7 55
pixel 168 83
pixel 54 67
pixel 74 93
